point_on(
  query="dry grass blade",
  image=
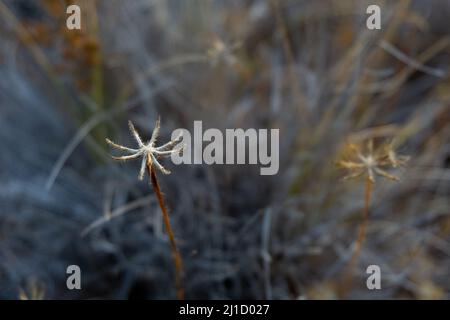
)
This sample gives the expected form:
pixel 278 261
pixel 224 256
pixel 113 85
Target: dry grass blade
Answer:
pixel 346 284
pixel 115 213
pixel 410 61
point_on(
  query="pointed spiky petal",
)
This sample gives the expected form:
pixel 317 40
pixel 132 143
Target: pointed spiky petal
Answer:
pixel 169 152
pixel 370 146
pixel 142 170
pixel 159 166
pixel 386 175
pixel 135 134
pixel 349 164
pixel 171 143
pixel 371 174
pixel 353 175
pixel 130 157
pixel 118 146
pixel 155 133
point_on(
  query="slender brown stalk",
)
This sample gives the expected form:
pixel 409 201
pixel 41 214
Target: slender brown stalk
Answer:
pixel 363 226
pixel 361 237
pixel 175 253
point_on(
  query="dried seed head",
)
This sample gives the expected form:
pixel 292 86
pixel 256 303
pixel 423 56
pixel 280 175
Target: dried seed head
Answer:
pixel 149 153
pixel 364 159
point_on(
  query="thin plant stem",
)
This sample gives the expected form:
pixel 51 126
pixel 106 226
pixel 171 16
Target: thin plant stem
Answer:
pixel 363 226
pixel 361 237
pixel 175 253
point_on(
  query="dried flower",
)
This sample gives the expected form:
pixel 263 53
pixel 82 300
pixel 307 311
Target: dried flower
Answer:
pixel 220 52
pixel 148 152
pixel 150 155
pixel 35 291
pixel 372 162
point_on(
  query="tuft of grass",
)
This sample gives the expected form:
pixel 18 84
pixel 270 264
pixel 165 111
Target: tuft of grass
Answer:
pixel 34 291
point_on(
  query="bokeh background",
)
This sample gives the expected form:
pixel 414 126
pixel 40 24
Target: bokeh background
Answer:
pixel 310 68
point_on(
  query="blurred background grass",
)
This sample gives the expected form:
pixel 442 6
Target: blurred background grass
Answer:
pixel 309 68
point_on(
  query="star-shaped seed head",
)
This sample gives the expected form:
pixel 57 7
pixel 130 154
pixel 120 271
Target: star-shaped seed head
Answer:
pixel 221 52
pixel 149 152
pixel 372 162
